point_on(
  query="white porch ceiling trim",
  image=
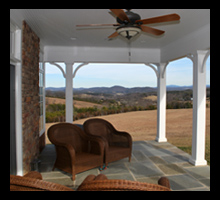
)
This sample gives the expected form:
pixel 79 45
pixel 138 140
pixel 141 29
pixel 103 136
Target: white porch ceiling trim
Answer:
pixel 100 54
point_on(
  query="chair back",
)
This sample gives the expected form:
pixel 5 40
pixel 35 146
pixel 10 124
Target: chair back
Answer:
pixel 99 127
pixel 68 133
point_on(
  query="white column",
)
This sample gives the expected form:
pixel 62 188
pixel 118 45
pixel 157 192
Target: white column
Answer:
pixel 69 92
pixel 199 108
pixel 161 103
pixel 18 118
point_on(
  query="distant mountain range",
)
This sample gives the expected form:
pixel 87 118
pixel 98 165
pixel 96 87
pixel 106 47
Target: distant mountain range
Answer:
pixel 120 89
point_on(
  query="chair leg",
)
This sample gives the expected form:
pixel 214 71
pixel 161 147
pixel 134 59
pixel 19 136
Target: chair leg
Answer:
pixel 73 177
pixel 106 165
pixel 73 173
pixel 103 167
pixel 129 159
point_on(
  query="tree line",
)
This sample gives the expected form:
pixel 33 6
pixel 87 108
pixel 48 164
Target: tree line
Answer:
pixel 175 100
pixel 56 112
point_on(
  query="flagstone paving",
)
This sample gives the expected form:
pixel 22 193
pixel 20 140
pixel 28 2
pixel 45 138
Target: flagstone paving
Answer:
pixel 150 160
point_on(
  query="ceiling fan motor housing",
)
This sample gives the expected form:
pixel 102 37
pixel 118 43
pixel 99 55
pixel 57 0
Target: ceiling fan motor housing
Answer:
pixel 132 16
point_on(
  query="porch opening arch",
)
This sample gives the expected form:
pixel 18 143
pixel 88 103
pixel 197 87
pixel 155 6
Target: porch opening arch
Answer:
pixel 54 78
pixel 179 120
pixel 198 65
pixel 55 69
pixel 148 122
pixel 102 67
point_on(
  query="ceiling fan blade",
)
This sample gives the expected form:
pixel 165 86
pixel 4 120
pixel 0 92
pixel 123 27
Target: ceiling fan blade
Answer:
pixel 115 34
pixel 112 14
pixel 120 14
pixel 86 25
pixel 151 30
pixel 164 18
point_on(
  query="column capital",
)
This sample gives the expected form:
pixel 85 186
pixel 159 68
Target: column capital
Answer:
pixel 201 55
pixel 161 69
pixel 69 63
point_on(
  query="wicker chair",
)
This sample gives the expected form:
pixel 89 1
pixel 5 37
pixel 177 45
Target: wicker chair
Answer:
pixel 33 182
pixel 75 151
pixel 102 183
pixel 118 144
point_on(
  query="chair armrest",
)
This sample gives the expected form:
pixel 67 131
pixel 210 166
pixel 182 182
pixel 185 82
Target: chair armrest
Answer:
pixel 120 185
pixel 18 183
pixel 126 137
pixel 33 174
pixel 164 181
pixel 62 147
pixel 98 145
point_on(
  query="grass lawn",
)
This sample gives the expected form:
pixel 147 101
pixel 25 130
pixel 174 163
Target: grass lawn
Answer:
pixel 179 130
pixel 185 145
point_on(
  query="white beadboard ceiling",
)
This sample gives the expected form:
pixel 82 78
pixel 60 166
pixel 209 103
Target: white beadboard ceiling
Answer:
pixel 56 27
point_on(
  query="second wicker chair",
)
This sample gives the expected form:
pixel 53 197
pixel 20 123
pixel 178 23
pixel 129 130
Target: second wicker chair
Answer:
pixel 118 144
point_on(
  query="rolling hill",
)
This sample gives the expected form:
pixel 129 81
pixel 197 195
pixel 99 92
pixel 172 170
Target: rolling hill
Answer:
pixel 119 89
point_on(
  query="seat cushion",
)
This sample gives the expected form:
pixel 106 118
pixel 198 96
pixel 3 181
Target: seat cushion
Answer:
pixel 86 161
pixel 116 153
pixel 86 157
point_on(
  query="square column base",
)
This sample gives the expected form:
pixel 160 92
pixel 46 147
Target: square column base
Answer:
pixel 161 139
pixel 197 162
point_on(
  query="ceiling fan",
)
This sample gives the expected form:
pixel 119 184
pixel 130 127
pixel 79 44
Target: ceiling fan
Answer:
pixel 130 24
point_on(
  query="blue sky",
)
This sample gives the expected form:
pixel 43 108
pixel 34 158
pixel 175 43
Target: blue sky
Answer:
pixel 179 72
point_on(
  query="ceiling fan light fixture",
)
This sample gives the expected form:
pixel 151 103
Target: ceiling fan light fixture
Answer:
pixel 130 24
pixel 128 31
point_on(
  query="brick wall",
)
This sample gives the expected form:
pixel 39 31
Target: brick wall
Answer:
pixel 30 96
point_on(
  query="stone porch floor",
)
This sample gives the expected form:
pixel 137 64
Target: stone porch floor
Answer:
pixel 150 160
